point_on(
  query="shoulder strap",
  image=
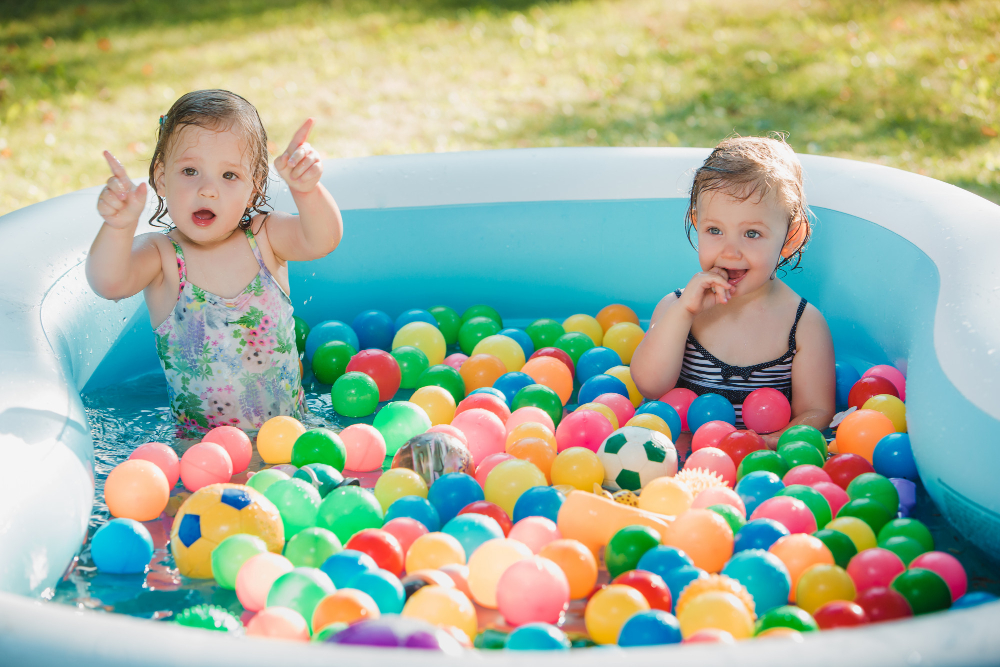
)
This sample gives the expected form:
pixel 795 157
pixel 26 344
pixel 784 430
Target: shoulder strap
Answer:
pixel 181 265
pixel 255 249
pixel 798 316
pixel 677 293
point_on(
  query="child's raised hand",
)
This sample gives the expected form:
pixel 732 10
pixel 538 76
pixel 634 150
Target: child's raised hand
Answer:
pixel 706 289
pixel 300 164
pixel 121 201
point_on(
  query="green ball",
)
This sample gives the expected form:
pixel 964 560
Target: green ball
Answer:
pixel 875 486
pixel 482 311
pixel 446 377
pixel 788 616
pixel 398 422
pixel 324 478
pixel 262 480
pixel 319 445
pixel 797 453
pixel 208 617
pixel 330 360
pixel 803 433
pixel 490 640
pixel 574 344
pixel 926 591
pixel 763 459
pixel 813 499
pixel 539 396
pixel 297 502
pixel 627 546
pixel 544 332
pixel 870 511
pixel 412 363
pixel 911 528
pixel 311 547
pixel 840 545
pixel 301 590
pixel 474 330
pixel 731 515
pixel 348 510
pixel 229 556
pixel 327 632
pixel 301 333
pixel 448 322
pixel 354 394
pixel 906 548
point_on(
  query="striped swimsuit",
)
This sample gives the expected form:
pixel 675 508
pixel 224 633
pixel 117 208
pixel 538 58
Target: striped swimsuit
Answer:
pixel 703 373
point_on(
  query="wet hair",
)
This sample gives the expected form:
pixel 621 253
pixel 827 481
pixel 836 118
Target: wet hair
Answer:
pixel 745 167
pixel 214 110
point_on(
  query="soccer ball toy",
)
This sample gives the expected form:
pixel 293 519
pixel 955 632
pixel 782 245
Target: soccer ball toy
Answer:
pixel 634 456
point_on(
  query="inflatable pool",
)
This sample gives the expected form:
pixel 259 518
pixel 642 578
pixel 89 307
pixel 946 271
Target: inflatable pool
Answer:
pixel 903 267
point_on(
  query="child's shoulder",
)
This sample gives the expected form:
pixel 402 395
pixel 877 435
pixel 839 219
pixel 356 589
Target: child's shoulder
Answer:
pixel 811 322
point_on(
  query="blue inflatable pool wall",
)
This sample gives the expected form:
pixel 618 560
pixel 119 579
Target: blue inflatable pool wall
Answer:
pixel 903 267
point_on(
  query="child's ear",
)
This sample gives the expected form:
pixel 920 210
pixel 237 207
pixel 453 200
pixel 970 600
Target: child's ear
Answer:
pixel 795 240
pixel 159 179
pixel 694 219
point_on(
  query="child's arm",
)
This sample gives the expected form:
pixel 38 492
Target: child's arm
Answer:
pixel 318 228
pixel 120 264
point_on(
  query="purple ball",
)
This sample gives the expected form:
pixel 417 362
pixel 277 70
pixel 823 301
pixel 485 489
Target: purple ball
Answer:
pixel 907 491
pixel 398 631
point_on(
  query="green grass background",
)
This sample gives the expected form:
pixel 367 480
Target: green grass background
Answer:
pixel 913 85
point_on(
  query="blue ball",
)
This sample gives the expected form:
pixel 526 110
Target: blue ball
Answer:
pixel 375 330
pixel 765 577
pixel 416 508
pixel 415 315
pixel 847 375
pixel 758 534
pixel 539 501
pixel 973 599
pixel 662 560
pixel 491 391
pixel 650 628
pixel 598 385
pixel 384 587
pixel 450 493
pixel 344 566
pixel 665 412
pixel 596 361
pixel 537 637
pixel 709 408
pixel 510 383
pixel 122 546
pixel 893 457
pixel 756 487
pixel 324 332
pixel 472 530
pixel 678 578
pixel 522 339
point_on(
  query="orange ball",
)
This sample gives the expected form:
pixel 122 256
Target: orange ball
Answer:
pixel 433 551
pixel 615 313
pixel 344 606
pixel 136 489
pixel 531 430
pixel 537 451
pixel 860 432
pixel 443 607
pixel 704 536
pixel 552 373
pixel 799 552
pixel 481 370
pixel 577 562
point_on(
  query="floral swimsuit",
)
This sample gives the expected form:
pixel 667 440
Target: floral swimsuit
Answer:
pixel 230 362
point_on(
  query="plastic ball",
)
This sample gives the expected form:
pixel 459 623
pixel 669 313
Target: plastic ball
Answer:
pixel 839 544
pixel 456 360
pixel 662 560
pixel 330 360
pixel 301 589
pixel 347 606
pixel 533 590
pixel 414 315
pixel 364 447
pixel 790 512
pixel 666 495
pixel 609 609
pixel 759 534
pixel 256 576
pixel 844 467
pixel 444 376
pixel 733 516
pixel 262 480
pixel 806 475
pixel 504 348
pixel 412 364
pixel 473 530
pixel 544 332
pixel 893 457
pixel 344 566
pixel 382 546
pixel 625 412
pixel 813 499
pixel 891 407
pixel 533 430
pixel 301 333
pixel 204 464
pixel 595 361
pixel 448 429
pixel 208 617
pixel 714 460
pixel 624 337
pixel 443 607
pixel 381 367
pixel 680 400
pixel 136 489
pixel 876 487
pixel 835 496
pixel 574 344
pixel 739 444
pixel 654 423
pixel 398 422
pixel 558 355
pixel 322 477
pixel 872 512
pixel 276 438
pixel 584 324
pixel 485 432
pixel 551 373
pixel 707 408
pixel 425 337
pixel 881 603
pixel 165 458
pixel 651 585
pixel 383 588
pixel 330 330
pixel 840 614
pixel 627 546
pixel 788 616
pixel 576 561
pixel 577 467
pixel 947 567
pixel 539 501
pixel 297 501
pixel 537 637
pixel 795 454
pixel 598 385
pixel 763 461
pixel 704 536
pixel 482 370
pixel 861 431
pixel 925 590
pixel 319 445
pixel 624 374
pixel 309 547
pixel 484 469
pixel 509 480
pixel 397 483
pixel 603 409
pixel 405 529
pixel 488 563
pixel 587 429
pixel 716 610
pixel 475 329
pixel 374 329
pixel 540 396
pixel 122 546
pixel 482 400
pixel 491 510
pixel 535 451
pixel 721 496
pixel 278 623
pixel 766 410
pixel 349 509
pixel 529 414
pixel 510 383
pixel 235 442
pixel 868 387
pixel 889 373
pixel 799 552
pixel 711 434
pixel 437 402
pixel 906 548
pixel 821 584
pixel 448 321
pixel 756 487
pixel 847 375
pixel 764 576
pixel 857 530
pixel 451 492
pixel 416 508
pixel 433 551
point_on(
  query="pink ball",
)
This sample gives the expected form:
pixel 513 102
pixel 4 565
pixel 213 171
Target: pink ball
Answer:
pixel 948 567
pixel 620 405
pixel 535 532
pixel 405 530
pixel 459 575
pixel 834 495
pixel 714 460
pixel 806 474
pixel 365 447
pixel 235 442
pixel 875 567
pixel 203 464
pixel 790 512
pixel 892 374
pixel 710 636
pixel 279 623
pixel 256 576
pixel 766 410
pixel 583 428
pixel 450 430
pixel 534 590
pixel 163 457
pixel 484 469
pixel 486 402
pixel 529 414
pixel 719 496
pixel 484 430
pixel 711 434
pixel 680 399
pixel 456 360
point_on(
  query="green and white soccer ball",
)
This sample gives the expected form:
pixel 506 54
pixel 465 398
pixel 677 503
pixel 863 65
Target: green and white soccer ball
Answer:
pixel 634 456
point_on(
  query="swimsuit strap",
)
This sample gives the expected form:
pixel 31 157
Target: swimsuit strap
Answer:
pixel 181 265
pixel 798 316
pixel 256 253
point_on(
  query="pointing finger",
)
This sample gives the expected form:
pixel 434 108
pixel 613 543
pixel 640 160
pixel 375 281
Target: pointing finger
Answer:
pixel 300 136
pixel 116 167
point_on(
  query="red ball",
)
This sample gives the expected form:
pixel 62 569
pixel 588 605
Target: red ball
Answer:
pixel 486 508
pixel 740 443
pixel 558 354
pixel 883 604
pixel 867 387
pixel 652 587
pixel 486 402
pixel 840 614
pixel 874 568
pixel 381 367
pixel 382 546
pixel 766 410
pixel 843 468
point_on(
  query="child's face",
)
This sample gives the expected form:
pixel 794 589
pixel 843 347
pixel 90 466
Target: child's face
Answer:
pixel 742 237
pixel 207 182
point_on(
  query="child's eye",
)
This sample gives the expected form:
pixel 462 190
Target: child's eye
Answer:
pixel 189 171
pixel 753 234
pixel 714 230
pixel 230 176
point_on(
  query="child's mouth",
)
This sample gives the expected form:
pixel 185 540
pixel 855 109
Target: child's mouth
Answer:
pixel 203 217
pixel 735 276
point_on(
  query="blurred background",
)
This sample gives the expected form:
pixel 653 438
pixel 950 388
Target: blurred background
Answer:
pixel 908 84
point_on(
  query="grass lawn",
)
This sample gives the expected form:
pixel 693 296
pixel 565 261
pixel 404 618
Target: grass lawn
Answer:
pixel 909 84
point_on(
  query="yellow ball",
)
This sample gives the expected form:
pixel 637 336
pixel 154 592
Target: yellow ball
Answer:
pixel 397 483
pixel 443 607
pixel 823 583
pixel 276 437
pixel 503 348
pixel 666 495
pixel 531 430
pixel 623 338
pixel 891 407
pixel 719 610
pixel 511 478
pixel 432 551
pixel 577 467
pixel 437 402
pixel 608 610
pixel 488 563
pixel 425 337
pixel 604 410
pixel 585 324
pixel 652 422
pixel 625 375
pixel 860 532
